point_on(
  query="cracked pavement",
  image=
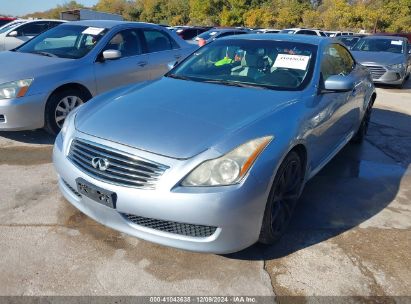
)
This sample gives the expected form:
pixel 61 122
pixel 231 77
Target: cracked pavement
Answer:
pixel 351 234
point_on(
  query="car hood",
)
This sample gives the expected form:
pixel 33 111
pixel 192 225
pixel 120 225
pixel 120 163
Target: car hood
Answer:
pixel 16 66
pixel 378 58
pixel 177 118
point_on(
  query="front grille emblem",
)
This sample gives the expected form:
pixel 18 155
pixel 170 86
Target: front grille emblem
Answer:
pixel 99 163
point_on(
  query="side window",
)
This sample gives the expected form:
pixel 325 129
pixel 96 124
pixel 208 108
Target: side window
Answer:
pixel 32 28
pixel 127 42
pixel 336 61
pixel 158 41
pixel 53 24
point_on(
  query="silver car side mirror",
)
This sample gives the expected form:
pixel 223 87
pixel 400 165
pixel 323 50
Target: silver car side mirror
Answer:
pixel 111 54
pixel 338 83
pixel 13 34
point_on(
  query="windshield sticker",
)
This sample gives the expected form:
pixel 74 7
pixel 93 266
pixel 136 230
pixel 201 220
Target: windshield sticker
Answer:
pixel 213 33
pixel 396 42
pixel 93 31
pixel 296 62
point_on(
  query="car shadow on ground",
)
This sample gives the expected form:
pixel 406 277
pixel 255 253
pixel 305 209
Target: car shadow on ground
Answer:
pixel 357 184
pixel 38 136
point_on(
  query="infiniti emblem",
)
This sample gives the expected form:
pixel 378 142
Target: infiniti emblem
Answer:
pixel 99 163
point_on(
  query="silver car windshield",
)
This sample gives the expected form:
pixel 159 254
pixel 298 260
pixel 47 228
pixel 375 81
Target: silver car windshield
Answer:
pixel 278 65
pixel 380 45
pixel 7 27
pixel 64 41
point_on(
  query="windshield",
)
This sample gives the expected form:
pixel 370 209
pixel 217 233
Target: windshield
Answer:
pixel 7 27
pixel 64 41
pixel 380 45
pixel 278 65
pixel 287 31
pixel 207 35
pixel 349 41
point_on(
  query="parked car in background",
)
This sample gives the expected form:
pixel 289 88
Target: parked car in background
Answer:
pixel 49 76
pixel 265 31
pixel 5 20
pixel 338 33
pixel 217 33
pixel 350 40
pixel 213 157
pixel 387 57
pixel 189 32
pixel 21 32
pixel 303 31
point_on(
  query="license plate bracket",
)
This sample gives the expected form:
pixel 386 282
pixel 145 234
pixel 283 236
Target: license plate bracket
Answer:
pixel 97 194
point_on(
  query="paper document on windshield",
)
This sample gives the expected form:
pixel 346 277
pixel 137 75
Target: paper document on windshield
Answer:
pixel 93 31
pixel 296 62
pixel 396 42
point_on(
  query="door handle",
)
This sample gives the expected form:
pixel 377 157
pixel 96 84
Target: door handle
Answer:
pixel 142 63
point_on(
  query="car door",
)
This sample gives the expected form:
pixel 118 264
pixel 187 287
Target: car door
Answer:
pixel 130 68
pixel 25 32
pixel 162 50
pixel 337 113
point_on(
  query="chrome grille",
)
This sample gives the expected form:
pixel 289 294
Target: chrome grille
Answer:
pixel 172 227
pixel 124 169
pixel 376 71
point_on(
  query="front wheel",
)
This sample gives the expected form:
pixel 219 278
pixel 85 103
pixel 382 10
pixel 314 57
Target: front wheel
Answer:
pixel 284 194
pixel 59 105
pixel 362 131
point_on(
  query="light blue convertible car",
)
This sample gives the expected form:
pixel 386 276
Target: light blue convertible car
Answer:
pixel 214 156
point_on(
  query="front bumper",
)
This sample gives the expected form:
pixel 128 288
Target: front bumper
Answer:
pixel 24 113
pixel 383 75
pixel 236 211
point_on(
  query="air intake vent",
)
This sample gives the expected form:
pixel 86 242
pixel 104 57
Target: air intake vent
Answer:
pixel 172 227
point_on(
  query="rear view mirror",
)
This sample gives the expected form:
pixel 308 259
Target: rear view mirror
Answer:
pixel 111 54
pixel 338 83
pixel 13 34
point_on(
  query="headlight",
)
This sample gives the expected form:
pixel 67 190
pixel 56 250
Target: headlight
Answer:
pixel 68 124
pixel 397 66
pixel 230 168
pixel 15 89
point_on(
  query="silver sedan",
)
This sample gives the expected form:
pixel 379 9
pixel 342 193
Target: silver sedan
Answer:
pixel 47 77
pixel 213 156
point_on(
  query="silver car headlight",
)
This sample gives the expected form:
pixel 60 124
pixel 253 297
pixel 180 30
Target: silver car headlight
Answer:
pixel 397 66
pixel 230 168
pixel 15 89
pixel 68 125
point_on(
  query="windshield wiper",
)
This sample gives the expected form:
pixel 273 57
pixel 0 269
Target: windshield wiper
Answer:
pixel 43 54
pixel 175 76
pixel 237 84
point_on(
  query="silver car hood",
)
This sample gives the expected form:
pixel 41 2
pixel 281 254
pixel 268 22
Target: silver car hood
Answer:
pixel 378 58
pixel 176 118
pixel 16 66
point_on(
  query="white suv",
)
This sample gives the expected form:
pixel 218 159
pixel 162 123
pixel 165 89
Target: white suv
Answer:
pixel 303 31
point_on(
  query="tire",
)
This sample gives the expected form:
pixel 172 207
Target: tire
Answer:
pixel 285 192
pixel 59 105
pixel 359 137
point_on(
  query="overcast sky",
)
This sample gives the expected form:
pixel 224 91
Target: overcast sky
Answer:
pixel 22 7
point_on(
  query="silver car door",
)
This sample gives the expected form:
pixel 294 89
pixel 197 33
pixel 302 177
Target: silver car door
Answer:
pixel 162 49
pixel 337 113
pixel 132 67
pixel 25 32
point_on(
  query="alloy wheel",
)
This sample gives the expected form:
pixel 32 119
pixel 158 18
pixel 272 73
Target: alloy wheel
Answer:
pixel 64 107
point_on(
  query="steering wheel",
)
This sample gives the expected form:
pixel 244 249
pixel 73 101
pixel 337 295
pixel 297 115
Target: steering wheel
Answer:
pixel 293 74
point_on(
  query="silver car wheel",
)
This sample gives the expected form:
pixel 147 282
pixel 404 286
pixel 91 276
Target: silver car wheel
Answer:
pixel 64 107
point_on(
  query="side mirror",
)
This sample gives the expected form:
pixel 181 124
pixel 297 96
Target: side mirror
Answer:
pixel 409 49
pixel 171 65
pixel 13 34
pixel 338 83
pixel 111 54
